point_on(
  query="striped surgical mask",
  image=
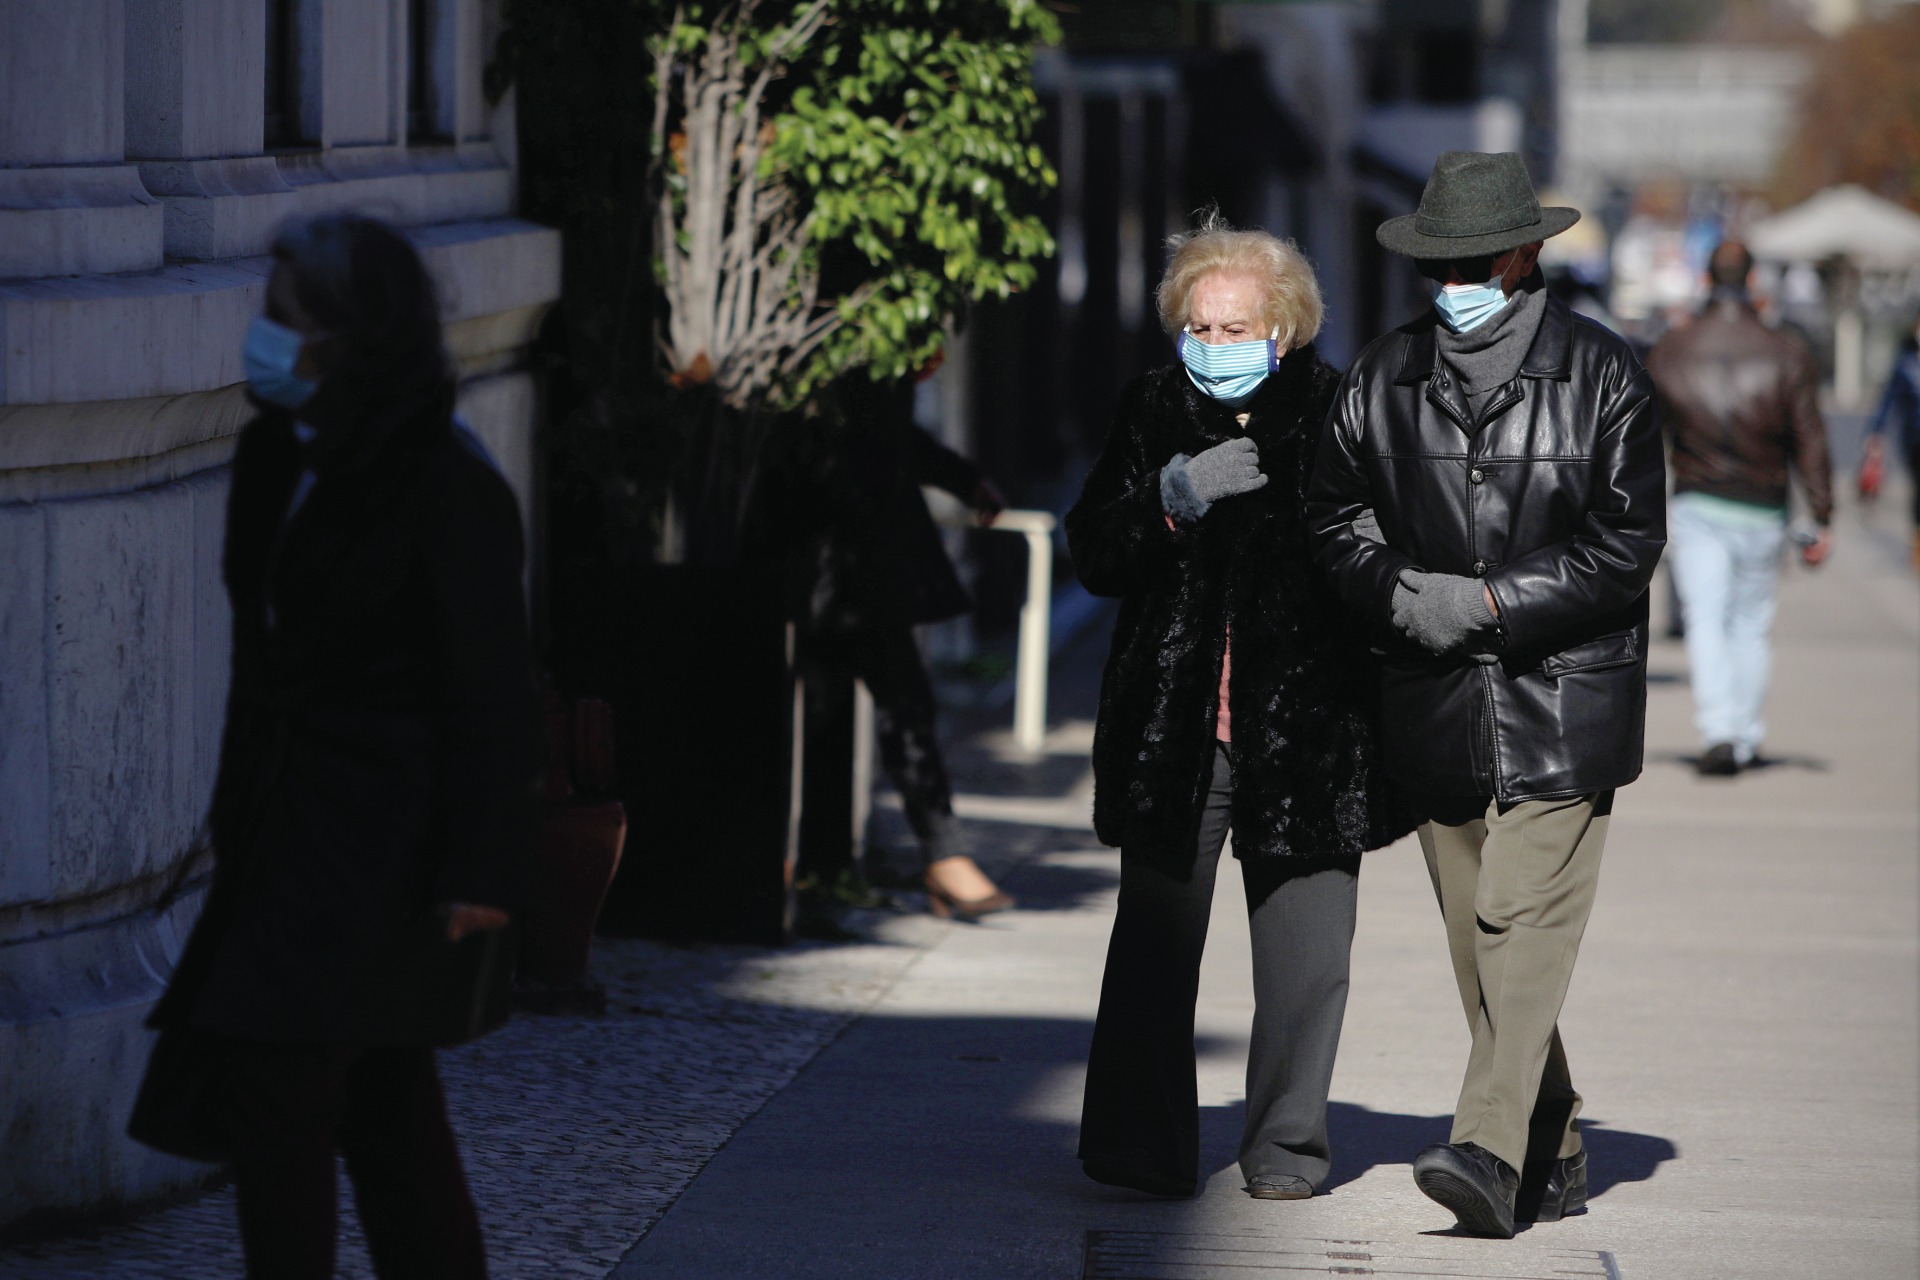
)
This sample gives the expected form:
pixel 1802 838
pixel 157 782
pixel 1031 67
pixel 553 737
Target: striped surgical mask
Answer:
pixel 1230 373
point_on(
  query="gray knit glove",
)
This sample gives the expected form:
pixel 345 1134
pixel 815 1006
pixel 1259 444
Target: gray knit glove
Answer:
pixel 1442 612
pixel 1190 486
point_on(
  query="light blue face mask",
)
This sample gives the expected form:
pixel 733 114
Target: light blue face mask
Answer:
pixel 1468 306
pixel 270 356
pixel 1229 373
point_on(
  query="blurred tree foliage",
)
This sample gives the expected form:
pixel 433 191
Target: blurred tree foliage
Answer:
pixel 1860 115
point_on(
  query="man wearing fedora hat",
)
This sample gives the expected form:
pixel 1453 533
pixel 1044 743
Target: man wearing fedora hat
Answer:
pixel 1490 493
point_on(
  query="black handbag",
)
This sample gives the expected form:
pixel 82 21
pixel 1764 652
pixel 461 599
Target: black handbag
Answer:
pixel 178 1107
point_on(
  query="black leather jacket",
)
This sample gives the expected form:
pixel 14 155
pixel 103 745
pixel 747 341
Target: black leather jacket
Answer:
pixel 1556 499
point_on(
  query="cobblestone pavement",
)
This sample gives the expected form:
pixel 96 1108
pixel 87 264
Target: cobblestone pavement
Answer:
pixel 578 1132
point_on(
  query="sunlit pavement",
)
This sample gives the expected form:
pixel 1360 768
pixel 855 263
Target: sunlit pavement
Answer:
pixel 1743 1024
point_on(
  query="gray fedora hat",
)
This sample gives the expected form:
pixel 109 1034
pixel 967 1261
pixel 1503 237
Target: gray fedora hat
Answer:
pixel 1475 203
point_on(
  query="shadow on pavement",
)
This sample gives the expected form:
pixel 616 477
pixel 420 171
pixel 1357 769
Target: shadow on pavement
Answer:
pixel 1362 1138
pixel 1812 764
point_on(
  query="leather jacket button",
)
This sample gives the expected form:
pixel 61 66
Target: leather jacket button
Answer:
pixel 1478 476
pixel 1479 568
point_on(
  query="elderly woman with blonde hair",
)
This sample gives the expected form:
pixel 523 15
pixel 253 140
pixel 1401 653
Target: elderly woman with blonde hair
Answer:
pixel 1233 699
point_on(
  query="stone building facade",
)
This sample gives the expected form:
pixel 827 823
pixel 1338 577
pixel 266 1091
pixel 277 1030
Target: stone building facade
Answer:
pixel 148 151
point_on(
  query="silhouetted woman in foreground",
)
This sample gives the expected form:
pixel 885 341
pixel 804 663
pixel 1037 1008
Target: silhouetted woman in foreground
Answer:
pixel 373 813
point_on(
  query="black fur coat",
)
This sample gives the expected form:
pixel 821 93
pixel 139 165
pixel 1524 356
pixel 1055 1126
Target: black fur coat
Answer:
pixel 1307 786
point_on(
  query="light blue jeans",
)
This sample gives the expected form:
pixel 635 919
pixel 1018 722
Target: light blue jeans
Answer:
pixel 1725 559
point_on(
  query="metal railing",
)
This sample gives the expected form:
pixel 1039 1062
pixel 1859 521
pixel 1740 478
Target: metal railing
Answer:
pixel 1036 612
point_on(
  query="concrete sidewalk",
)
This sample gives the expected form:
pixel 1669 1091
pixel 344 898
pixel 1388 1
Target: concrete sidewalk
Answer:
pixel 1743 1024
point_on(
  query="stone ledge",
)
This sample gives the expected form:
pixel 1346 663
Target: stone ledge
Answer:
pixel 76 220
pixel 50 453
pixel 34 436
pixel 178 330
pixel 220 208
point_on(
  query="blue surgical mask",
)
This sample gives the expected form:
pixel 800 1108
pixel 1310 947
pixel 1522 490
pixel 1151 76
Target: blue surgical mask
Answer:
pixel 271 353
pixel 1468 306
pixel 1229 373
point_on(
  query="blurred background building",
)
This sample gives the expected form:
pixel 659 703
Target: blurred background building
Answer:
pixel 148 150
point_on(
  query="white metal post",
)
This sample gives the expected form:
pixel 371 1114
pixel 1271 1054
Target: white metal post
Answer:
pixel 1036 614
pixel 862 769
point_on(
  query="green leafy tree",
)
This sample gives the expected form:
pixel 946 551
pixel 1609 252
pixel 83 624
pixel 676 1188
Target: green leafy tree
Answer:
pixel 760 197
pixel 838 180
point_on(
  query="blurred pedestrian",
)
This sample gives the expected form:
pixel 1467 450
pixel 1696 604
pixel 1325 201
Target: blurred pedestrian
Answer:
pixel 1491 495
pixel 1899 417
pixel 1739 404
pixel 372 815
pixel 1233 699
pixel 875 569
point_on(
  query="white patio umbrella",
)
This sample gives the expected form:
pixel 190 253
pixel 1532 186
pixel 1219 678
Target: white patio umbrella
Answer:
pixel 1852 223
pixel 1840 222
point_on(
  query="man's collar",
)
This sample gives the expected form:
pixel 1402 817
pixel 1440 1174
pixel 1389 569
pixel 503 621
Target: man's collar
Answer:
pixel 1550 356
pixel 1729 303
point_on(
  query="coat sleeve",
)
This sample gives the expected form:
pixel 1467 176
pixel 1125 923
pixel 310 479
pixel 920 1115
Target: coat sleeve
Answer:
pixel 1120 539
pixel 1609 561
pixel 483 700
pixel 1810 435
pixel 262 478
pixel 1363 571
pixel 931 462
pixel 1900 402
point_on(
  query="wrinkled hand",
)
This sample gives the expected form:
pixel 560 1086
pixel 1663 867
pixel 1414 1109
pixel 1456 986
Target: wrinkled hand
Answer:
pixel 464 918
pixel 1440 612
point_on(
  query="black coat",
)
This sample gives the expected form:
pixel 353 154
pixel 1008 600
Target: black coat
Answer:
pixel 1557 500
pixel 379 749
pixel 873 556
pixel 1305 784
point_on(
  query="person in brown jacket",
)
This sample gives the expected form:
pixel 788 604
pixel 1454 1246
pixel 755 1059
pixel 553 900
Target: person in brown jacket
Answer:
pixel 1739 408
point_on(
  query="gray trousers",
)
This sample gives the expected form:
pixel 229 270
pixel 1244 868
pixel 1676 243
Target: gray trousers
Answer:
pixel 1516 884
pixel 1142 1107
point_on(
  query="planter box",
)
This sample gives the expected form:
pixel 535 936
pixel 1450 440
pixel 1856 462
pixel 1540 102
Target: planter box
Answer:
pixel 698 663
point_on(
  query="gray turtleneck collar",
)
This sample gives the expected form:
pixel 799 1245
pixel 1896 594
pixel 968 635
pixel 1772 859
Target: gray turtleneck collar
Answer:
pixel 1488 357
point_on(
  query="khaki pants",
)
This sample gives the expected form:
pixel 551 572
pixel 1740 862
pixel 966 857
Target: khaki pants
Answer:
pixel 1516 884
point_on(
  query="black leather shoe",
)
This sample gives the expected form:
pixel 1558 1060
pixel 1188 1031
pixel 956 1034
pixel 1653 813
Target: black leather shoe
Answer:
pixel 1719 761
pixel 1477 1186
pixel 1552 1189
pixel 1112 1175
